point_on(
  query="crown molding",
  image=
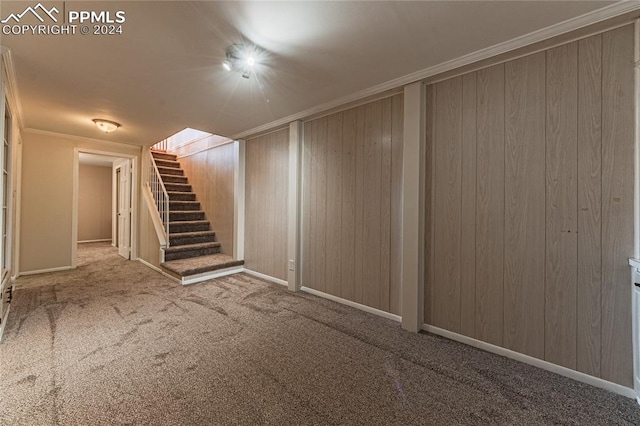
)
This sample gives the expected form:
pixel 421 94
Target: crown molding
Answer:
pixel 82 139
pixel 573 24
pixel 12 84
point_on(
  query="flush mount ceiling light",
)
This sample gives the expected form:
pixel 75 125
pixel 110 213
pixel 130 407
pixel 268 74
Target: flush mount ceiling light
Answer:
pixel 240 58
pixel 106 126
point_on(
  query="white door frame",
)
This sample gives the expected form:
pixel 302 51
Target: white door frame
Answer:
pixel 122 192
pixel 134 199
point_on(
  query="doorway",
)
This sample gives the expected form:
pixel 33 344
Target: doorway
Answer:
pixel 111 202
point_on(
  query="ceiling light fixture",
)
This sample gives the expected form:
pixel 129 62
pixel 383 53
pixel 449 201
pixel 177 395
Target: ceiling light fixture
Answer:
pixel 106 126
pixel 240 58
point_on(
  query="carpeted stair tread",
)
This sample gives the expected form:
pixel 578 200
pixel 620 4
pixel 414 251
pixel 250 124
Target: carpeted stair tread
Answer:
pixel 191 250
pixel 178 215
pixel 178 205
pixel 163 156
pixel 173 179
pixel 170 171
pixel 167 164
pixel 188 226
pixel 201 264
pixel 181 196
pixel 183 238
pixel 177 187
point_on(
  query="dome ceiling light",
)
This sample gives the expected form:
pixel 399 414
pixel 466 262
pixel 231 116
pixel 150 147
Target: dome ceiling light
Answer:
pixel 106 126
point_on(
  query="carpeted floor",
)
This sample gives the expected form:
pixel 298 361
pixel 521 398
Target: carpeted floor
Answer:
pixel 116 343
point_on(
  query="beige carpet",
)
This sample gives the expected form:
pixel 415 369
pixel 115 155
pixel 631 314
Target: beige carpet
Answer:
pixel 116 343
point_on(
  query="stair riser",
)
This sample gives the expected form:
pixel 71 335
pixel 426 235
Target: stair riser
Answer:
pixel 190 253
pixel 175 217
pixel 177 205
pixel 168 164
pixel 177 188
pixel 164 156
pixel 178 228
pixel 174 242
pixel 182 196
pixel 173 179
pixel 169 171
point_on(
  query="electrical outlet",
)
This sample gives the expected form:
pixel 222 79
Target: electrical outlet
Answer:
pixel 291 265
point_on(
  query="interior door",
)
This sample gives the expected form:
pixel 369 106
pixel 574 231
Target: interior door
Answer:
pixel 124 209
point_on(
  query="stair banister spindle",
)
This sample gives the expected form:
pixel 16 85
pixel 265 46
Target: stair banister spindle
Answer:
pixel 160 195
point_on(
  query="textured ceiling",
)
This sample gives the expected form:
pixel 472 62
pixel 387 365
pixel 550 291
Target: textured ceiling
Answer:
pixel 164 74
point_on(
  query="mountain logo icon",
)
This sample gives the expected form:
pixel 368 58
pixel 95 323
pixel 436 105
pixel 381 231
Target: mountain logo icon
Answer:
pixel 38 11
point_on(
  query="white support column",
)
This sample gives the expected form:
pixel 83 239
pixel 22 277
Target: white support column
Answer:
pixel 413 207
pixel 239 200
pixel 293 227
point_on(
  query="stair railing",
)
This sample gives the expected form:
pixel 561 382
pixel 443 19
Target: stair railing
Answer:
pixel 163 145
pixel 160 195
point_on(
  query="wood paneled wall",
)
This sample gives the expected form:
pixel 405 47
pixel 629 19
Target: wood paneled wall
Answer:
pixel 351 219
pixel 266 183
pixel 531 205
pixel 211 173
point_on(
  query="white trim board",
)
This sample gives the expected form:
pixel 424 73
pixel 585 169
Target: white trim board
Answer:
pixel 12 84
pixel 205 276
pixel 545 365
pixel 265 277
pixel 45 271
pixel 573 24
pixel 342 301
pixel 105 240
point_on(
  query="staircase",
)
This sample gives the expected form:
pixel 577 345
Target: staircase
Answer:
pixel 192 249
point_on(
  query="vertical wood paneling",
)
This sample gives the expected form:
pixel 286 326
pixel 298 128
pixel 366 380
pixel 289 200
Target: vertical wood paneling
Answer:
pixel 347 287
pixel 307 164
pixel 544 214
pixel 385 204
pixel 397 123
pixel 351 219
pixel 447 207
pixel 617 203
pixel 490 205
pixel 429 197
pixel 211 174
pixel 359 222
pixel 312 265
pixel 371 234
pixel 589 205
pixel 267 168
pixel 562 193
pixel 468 217
pixel 334 205
pixel 321 204
pixel 524 205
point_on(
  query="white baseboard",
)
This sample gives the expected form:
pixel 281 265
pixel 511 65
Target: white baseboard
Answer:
pixel 108 240
pixel 155 268
pixel 563 371
pixel 265 277
pixel 365 308
pixel 193 279
pixel 44 271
